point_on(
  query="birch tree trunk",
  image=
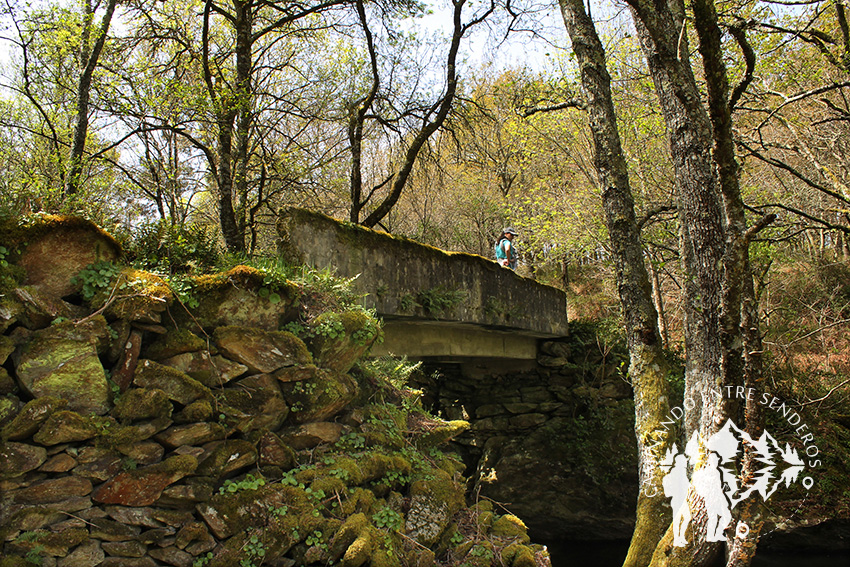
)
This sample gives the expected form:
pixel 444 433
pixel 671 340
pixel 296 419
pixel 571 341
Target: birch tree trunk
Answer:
pixel 647 365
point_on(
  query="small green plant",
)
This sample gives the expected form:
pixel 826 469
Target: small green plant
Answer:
pixel 255 551
pixel 96 277
pixel 481 552
pixel 330 327
pixel 272 296
pixel 438 300
pixel 202 560
pixel 456 539
pixel 250 482
pixel 387 519
pixel 34 555
pixel 278 512
pixel 184 289
pixel 296 328
pixel 316 538
pixel 407 302
pixel 316 495
pixel 395 478
pixel 341 474
pixel 115 389
pixel 350 442
pixel 304 387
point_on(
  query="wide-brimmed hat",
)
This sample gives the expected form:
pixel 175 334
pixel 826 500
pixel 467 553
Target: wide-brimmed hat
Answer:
pixel 510 230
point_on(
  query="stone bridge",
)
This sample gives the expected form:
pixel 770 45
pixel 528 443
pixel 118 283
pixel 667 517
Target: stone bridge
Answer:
pixel 436 305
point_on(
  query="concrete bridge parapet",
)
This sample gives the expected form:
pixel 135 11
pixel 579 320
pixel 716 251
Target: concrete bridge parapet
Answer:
pixel 434 303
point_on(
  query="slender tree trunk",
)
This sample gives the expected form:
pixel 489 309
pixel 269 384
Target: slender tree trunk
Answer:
pixel 658 300
pixel 244 118
pixel 358 118
pixel 648 367
pixel 88 63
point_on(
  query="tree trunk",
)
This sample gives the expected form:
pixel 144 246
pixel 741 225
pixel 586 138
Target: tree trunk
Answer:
pixel 648 367
pixel 243 107
pixel 88 63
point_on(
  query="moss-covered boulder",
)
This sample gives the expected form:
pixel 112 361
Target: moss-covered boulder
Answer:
pixel 142 403
pixel 210 370
pixel 17 459
pixel 312 434
pixel 191 434
pixel 255 403
pixel 65 427
pixel 139 296
pixel 239 296
pixel 319 398
pixel 76 241
pixel 340 339
pixel 175 341
pixel 40 309
pixel 30 417
pixel 273 451
pixel 62 361
pixel 262 352
pixel 142 487
pixel 177 385
pixel 433 502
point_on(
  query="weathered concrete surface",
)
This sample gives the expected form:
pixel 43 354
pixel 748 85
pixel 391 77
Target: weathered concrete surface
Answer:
pixel 409 282
pixel 423 339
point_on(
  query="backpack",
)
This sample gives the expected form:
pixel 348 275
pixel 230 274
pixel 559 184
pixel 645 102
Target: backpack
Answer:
pixel 500 251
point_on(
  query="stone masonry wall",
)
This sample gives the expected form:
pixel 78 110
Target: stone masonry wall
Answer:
pixel 553 441
pixel 139 431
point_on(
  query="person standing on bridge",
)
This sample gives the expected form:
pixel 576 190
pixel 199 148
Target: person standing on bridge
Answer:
pixel 506 253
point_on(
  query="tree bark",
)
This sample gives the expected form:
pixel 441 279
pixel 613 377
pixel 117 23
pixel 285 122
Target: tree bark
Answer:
pixel 648 366
pixel 89 59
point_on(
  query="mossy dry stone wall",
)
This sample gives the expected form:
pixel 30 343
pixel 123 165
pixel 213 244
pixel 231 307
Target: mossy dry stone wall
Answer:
pixel 143 433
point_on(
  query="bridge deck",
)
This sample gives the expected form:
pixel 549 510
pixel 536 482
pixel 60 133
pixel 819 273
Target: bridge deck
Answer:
pixel 434 303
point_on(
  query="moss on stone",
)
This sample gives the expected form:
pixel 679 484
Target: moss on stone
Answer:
pixel 119 435
pixel 143 403
pixel 179 386
pixel 360 500
pixel 320 398
pixel 242 276
pixel 174 342
pixel 348 469
pixel 385 557
pixel 31 416
pixel 199 410
pixel 34 227
pixel 442 434
pixel 329 485
pixel 360 551
pixel 348 532
pixel 65 426
pixel 136 294
pixel 229 456
pixel 518 555
pixel 510 527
